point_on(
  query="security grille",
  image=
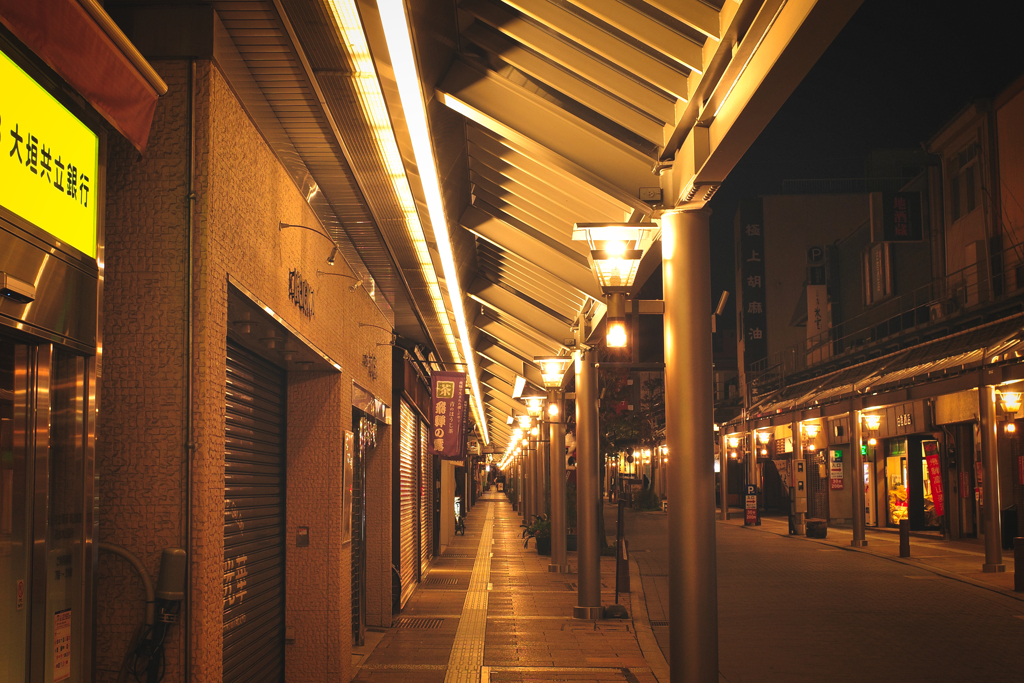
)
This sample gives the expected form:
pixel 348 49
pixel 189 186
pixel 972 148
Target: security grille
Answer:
pixel 254 519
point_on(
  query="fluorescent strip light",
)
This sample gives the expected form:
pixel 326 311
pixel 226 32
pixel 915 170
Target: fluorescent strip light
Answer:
pixel 517 390
pixel 398 35
pixel 367 84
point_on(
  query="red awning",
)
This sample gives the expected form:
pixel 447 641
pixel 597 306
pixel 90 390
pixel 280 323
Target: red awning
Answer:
pixel 83 45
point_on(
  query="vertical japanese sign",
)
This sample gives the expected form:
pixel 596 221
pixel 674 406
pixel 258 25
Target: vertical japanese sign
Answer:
pixel 751 272
pixel 835 470
pixel 448 407
pixel 49 161
pixel 901 217
pixel 819 318
pixel 750 508
pixel 931 455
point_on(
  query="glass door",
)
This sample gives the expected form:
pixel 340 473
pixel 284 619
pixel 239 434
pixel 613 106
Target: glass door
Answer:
pixel 15 517
pixel 47 556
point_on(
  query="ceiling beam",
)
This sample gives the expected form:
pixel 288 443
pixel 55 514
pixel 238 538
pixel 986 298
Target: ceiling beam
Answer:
pixel 531 121
pixel 512 305
pixel 515 339
pixel 572 58
pixel 648 125
pixel 632 21
pixel 629 57
pixel 576 275
pixel 693 13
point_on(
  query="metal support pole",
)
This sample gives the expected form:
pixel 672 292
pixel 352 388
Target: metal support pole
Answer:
pixel 588 488
pixel 859 541
pixel 725 453
pixel 556 451
pixel 990 480
pixel 689 418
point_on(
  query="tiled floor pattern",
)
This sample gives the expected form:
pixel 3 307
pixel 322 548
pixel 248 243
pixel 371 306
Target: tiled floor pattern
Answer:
pixel 528 634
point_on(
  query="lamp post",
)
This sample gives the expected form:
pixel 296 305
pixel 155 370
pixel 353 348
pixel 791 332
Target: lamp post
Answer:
pixel 990 480
pixel 553 369
pixel 856 440
pixel 615 253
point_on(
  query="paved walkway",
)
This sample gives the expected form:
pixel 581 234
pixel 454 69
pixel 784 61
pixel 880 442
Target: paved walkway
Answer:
pixel 489 610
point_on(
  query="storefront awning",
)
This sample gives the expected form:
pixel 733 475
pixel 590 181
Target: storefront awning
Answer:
pixel 998 341
pixel 79 41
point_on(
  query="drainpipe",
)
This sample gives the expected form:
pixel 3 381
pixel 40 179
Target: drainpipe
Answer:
pixel 190 446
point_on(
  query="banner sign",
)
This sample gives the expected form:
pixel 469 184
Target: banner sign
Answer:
pixel 931 454
pixel 753 281
pixel 448 405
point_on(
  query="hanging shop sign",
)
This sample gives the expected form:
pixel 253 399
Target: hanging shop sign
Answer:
pixel 835 470
pixel 448 406
pixel 931 455
pixel 49 161
pixel 896 217
pixel 753 281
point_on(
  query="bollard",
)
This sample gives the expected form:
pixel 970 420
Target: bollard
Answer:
pixel 904 538
pixel 1018 564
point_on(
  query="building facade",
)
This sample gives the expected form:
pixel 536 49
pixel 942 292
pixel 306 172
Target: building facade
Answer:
pixel 921 339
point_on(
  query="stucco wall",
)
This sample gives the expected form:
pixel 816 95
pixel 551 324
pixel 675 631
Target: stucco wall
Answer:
pixel 241 194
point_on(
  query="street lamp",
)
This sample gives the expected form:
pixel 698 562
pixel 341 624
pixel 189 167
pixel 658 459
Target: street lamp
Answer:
pixel 1010 401
pixel 873 422
pixel 616 250
pixel 552 372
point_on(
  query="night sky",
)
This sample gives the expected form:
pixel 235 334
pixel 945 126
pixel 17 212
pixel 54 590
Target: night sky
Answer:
pixel 897 72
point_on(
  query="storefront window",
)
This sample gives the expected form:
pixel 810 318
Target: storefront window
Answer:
pixel 896 480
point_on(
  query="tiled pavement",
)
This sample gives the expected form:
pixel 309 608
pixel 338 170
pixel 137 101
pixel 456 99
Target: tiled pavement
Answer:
pixel 530 634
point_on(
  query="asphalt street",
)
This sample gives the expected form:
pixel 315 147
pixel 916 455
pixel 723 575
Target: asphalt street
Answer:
pixel 792 610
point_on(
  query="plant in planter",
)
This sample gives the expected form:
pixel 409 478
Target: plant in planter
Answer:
pixel 540 530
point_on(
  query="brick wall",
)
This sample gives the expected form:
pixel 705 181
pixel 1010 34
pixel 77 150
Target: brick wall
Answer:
pixel 241 193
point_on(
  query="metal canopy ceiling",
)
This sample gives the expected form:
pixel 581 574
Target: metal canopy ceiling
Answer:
pixel 542 113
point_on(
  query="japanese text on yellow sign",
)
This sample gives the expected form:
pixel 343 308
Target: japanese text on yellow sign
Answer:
pixel 49 161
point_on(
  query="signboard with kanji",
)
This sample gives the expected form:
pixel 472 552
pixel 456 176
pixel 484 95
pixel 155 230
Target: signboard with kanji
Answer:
pixel 753 320
pixel 447 418
pixel 896 217
pixel 835 470
pixel 931 455
pixel 49 161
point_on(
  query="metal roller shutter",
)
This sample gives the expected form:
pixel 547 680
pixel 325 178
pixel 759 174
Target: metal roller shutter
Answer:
pixel 426 498
pixel 408 477
pixel 254 519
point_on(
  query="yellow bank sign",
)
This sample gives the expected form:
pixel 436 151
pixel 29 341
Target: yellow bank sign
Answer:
pixel 49 161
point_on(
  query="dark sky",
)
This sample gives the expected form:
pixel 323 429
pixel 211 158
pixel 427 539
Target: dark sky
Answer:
pixel 897 72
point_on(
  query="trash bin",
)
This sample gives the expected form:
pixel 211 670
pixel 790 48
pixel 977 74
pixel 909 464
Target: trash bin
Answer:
pixel 1009 526
pixel 816 528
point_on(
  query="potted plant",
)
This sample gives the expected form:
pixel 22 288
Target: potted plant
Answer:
pixel 540 530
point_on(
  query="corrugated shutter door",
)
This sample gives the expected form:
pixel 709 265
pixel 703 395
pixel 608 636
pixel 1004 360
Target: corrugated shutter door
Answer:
pixel 407 481
pixel 426 498
pixel 254 519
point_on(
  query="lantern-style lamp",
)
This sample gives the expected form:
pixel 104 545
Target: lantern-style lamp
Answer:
pixel 811 429
pixel 524 422
pixel 1010 401
pixel 615 251
pixel 552 369
pixel 764 437
pixel 534 405
pixel 873 421
pixel 734 441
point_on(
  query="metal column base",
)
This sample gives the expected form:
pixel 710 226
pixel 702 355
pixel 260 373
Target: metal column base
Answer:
pixel 590 613
pixel 558 569
pixel 859 544
pixel 987 568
